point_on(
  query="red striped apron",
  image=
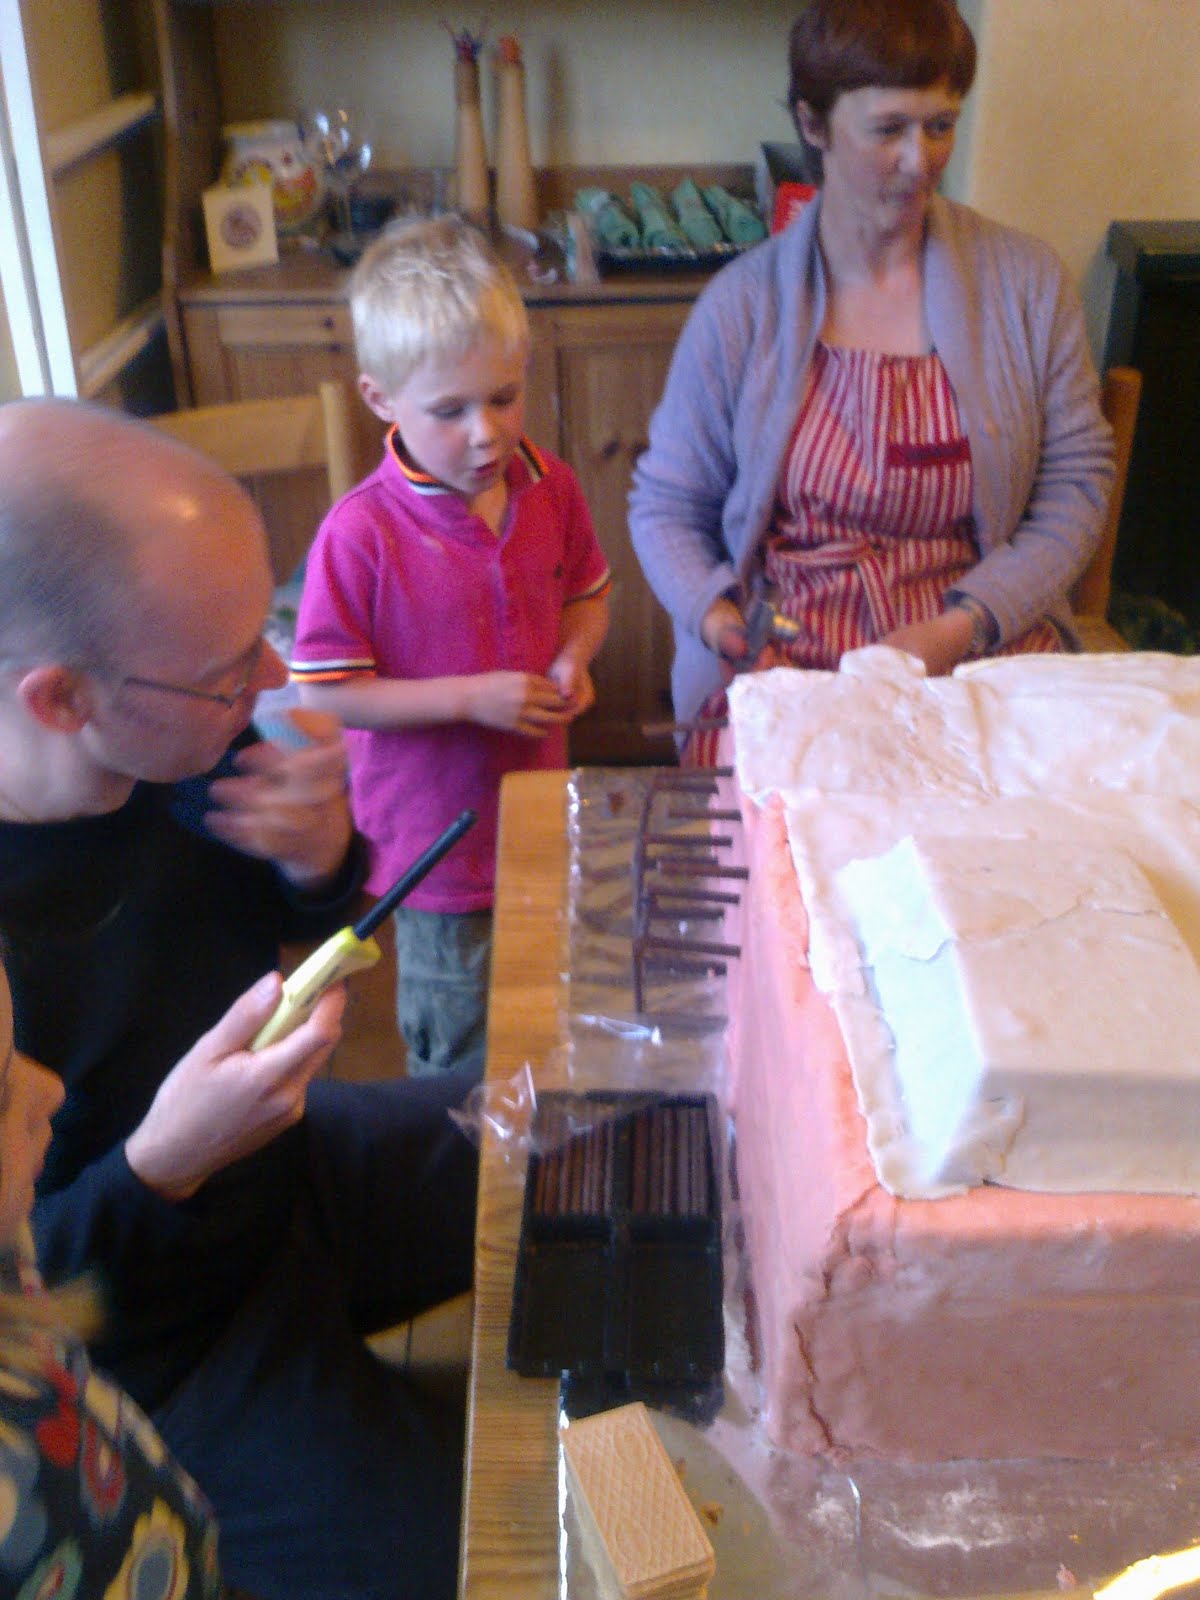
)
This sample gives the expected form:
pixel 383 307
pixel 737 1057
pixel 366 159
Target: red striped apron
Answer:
pixel 872 522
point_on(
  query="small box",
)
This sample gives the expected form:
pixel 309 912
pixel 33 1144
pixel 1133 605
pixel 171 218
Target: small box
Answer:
pixel 785 179
pixel 645 1537
pixel 619 1273
pixel 790 201
pixel 240 224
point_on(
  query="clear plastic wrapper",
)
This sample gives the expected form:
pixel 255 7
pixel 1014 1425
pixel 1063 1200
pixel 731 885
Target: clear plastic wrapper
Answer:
pixel 507 1110
pixel 786 1527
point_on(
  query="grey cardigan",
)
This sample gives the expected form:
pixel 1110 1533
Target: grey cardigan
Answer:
pixel 1008 326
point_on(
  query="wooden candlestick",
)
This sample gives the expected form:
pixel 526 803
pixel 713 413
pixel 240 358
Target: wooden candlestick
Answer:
pixel 516 203
pixel 470 149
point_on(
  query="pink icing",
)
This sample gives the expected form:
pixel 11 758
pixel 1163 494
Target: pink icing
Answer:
pixel 990 1325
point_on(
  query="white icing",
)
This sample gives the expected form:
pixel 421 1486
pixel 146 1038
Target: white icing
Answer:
pixel 1077 759
pixel 1018 979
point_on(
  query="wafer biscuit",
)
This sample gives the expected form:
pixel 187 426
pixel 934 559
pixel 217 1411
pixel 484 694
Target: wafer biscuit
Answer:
pixel 649 1540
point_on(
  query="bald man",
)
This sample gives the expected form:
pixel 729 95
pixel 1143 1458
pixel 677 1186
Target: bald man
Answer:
pixel 249 1222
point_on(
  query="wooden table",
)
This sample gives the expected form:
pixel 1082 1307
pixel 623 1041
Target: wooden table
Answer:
pixel 510 1536
pixel 510 1512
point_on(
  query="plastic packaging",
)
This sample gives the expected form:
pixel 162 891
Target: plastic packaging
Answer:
pixel 506 1109
pixel 618 1280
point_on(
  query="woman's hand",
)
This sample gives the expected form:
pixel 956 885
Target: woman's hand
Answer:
pixel 941 643
pixel 723 630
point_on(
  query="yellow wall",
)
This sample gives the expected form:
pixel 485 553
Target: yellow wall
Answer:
pixel 1086 111
pixel 651 81
pixel 10 388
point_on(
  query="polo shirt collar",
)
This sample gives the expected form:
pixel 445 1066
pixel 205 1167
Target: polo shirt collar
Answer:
pixel 526 466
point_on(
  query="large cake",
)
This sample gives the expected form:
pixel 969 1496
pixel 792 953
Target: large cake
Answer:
pixel 964 1054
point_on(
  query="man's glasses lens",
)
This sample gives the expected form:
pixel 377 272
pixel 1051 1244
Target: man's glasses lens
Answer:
pixel 227 699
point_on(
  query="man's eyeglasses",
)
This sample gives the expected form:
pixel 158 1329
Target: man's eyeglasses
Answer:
pixel 228 699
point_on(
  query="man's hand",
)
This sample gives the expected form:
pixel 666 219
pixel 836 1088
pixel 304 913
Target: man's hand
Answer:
pixel 223 1101
pixel 521 702
pixel 289 806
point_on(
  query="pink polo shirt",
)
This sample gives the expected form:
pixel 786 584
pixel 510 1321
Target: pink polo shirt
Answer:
pixel 404 581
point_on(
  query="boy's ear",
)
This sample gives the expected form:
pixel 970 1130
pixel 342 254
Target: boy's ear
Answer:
pixel 812 125
pixel 376 396
pixel 57 697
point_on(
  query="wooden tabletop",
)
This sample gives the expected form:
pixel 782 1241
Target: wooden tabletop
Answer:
pixel 510 1512
pixel 510 1536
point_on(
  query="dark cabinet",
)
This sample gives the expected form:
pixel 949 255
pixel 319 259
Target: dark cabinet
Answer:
pixel 1155 327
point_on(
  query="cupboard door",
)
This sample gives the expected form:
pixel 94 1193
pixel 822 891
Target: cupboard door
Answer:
pixel 613 363
pixel 261 350
pixel 541 385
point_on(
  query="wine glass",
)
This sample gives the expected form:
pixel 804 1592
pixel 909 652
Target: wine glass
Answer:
pixel 343 154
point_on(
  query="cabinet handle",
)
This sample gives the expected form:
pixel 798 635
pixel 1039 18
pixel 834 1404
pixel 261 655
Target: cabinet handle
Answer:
pixel 610 449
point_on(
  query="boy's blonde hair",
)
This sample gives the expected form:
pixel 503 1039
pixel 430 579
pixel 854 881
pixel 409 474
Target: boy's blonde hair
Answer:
pixel 430 287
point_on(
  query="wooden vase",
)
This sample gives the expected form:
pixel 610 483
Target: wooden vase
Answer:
pixel 470 148
pixel 516 203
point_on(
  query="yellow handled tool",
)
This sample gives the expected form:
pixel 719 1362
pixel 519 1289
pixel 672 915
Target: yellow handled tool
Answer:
pixel 351 949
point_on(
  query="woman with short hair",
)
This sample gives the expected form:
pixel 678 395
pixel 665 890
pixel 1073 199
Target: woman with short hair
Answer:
pixel 888 413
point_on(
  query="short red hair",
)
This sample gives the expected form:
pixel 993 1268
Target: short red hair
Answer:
pixel 840 45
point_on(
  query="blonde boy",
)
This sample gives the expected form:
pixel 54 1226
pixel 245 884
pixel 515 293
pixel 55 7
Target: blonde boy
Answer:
pixel 452 604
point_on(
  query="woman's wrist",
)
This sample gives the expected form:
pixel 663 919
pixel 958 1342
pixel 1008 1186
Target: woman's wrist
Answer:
pixel 985 630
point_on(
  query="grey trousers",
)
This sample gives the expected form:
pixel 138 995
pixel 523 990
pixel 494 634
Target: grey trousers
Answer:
pixel 443 960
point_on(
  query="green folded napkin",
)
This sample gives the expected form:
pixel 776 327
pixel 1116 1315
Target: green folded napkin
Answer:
pixel 659 229
pixel 697 221
pixel 612 226
pixel 738 223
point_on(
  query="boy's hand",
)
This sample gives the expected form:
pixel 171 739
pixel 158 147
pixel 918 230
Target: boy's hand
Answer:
pixel 521 702
pixel 289 805
pixel 574 684
pixel 222 1101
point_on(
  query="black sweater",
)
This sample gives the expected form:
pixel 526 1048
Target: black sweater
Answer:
pixel 128 935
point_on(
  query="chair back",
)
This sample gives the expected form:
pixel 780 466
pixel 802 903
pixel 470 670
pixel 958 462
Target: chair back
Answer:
pixel 260 440
pixel 1119 400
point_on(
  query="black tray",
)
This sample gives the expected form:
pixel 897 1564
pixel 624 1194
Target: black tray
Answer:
pixel 668 261
pixel 619 1276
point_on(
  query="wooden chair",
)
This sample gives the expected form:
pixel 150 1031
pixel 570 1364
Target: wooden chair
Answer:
pixel 278 446
pixel 1119 401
